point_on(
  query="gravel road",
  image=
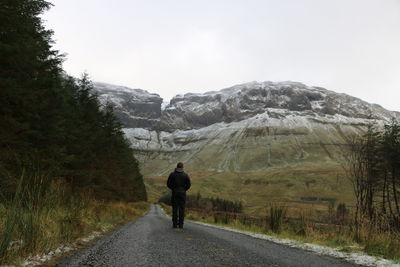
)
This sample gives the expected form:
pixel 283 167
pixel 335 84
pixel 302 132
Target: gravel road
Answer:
pixel 151 241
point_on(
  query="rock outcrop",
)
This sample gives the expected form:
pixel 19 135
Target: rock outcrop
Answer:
pixel 240 102
pixel 248 127
pixel 134 108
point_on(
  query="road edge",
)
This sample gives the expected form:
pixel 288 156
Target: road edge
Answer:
pixel 354 257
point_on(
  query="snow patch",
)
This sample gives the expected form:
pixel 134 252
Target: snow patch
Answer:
pixel 38 260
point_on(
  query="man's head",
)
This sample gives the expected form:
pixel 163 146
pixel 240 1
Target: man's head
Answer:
pixel 179 165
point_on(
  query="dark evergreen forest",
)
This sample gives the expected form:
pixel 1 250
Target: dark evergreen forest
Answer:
pixel 53 122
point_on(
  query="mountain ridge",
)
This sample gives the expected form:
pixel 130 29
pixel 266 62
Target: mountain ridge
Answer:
pixel 289 95
pixel 246 127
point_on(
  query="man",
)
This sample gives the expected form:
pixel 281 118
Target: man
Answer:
pixel 179 183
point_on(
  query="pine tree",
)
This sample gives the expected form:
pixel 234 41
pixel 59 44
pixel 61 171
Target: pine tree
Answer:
pixel 54 119
pixel 29 76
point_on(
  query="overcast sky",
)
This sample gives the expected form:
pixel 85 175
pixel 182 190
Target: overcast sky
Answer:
pixel 173 47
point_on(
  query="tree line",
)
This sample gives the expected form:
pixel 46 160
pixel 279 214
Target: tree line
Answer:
pixel 52 120
pixel 374 169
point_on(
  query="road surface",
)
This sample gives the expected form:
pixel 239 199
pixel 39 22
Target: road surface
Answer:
pixel 151 241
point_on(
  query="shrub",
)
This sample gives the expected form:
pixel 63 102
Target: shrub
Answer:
pixel 277 215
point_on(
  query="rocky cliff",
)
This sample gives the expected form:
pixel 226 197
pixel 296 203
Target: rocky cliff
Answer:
pixel 133 107
pixel 247 127
pixel 240 102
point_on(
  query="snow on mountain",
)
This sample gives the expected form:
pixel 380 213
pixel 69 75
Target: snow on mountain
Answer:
pixel 133 107
pixel 247 127
pixel 246 100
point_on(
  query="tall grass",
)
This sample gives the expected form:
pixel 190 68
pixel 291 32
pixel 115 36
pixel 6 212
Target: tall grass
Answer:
pixel 10 220
pixel 277 215
pixel 301 227
pixel 44 213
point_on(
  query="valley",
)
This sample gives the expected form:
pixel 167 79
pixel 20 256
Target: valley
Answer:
pixel 255 142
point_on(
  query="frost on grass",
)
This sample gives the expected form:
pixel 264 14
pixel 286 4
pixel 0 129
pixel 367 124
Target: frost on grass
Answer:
pixel 38 260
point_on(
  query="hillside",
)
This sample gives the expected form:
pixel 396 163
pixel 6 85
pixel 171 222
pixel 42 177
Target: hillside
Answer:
pixel 248 127
pixel 232 140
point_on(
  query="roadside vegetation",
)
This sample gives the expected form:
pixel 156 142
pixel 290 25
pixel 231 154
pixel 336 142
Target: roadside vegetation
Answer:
pixel 370 225
pixel 45 214
pixel 373 166
pixel 66 168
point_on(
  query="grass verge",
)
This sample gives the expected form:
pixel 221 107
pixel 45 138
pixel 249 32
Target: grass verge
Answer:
pixel 45 214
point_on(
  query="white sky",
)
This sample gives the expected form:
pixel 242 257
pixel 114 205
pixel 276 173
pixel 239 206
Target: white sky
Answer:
pixel 172 47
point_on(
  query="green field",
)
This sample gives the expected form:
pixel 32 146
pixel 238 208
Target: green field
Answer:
pixel 305 187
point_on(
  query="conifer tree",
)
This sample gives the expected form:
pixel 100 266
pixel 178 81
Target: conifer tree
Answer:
pixel 54 119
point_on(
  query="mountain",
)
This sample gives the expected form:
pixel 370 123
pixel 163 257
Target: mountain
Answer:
pixel 240 102
pixel 248 127
pixel 133 107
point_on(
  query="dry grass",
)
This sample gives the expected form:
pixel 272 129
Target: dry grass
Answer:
pixel 45 221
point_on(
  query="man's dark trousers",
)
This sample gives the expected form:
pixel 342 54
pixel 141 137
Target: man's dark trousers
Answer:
pixel 178 208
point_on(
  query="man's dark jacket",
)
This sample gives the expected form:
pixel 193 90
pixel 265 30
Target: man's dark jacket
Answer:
pixel 178 181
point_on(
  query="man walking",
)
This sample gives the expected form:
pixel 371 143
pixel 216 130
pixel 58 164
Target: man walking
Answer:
pixel 179 183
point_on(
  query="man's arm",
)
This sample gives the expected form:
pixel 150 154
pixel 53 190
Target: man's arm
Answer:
pixel 188 183
pixel 170 182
